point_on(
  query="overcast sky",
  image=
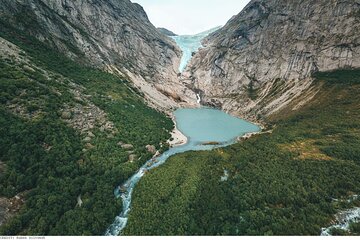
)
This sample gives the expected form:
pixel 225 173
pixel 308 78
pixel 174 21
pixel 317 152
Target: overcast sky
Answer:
pixel 191 16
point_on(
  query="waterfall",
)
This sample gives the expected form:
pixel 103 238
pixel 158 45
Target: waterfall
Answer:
pixel 198 98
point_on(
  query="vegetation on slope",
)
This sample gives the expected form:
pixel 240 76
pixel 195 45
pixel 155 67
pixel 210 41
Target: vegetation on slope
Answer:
pixel 290 182
pixel 47 161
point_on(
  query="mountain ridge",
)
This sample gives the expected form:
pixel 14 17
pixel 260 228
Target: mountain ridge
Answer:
pixel 113 35
pixel 77 80
pixel 264 57
pixel 167 32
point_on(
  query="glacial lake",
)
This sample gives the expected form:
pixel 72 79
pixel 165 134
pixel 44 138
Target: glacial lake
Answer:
pixel 201 126
pixel 211 125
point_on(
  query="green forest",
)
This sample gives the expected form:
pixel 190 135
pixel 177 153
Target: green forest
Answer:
pixel 47 161
pixel 290 182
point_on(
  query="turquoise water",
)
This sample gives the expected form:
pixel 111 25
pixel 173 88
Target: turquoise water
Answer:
pixel 189 44
pixel 200 126
pixel 204 125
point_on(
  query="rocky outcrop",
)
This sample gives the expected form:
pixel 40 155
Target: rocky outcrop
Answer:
pixel 111 34
pixel 151 149
pixel 264 57
pixel 167 32
pixel 125 145
pixel 9 207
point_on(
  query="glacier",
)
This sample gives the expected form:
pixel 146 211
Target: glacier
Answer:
pixel 190 44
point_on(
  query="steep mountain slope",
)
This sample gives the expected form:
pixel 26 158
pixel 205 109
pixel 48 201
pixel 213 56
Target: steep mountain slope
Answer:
pixel 264 57
pixel 115 35
pixel 70 132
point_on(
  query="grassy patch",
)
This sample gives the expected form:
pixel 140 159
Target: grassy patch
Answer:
pixel 305 150
pixel 340 77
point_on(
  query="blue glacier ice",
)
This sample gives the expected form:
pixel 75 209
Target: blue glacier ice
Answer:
pixel 189 44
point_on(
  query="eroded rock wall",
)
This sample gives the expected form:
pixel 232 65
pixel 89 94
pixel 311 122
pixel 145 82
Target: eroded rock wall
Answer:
pixel 111 34
pixel 264 57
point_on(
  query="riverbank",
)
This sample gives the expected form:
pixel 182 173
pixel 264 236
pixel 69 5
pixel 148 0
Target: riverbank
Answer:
pixel 197 120
pixel 342 222
pixel 177 137
pixel 252 134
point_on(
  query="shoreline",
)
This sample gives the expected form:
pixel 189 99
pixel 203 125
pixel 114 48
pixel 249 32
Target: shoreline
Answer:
pixel 249 135
pixel 178 138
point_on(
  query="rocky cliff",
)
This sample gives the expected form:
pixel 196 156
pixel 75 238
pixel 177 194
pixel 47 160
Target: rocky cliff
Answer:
pixel 111 34
pixel 167 32
pixel 264 57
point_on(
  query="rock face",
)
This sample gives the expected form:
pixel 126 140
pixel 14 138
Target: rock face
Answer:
pixel 167 32
pixel 111 34
pixel 9 207
pixel 264 57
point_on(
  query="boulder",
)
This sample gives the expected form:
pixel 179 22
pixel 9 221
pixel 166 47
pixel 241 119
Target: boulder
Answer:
pixel 132 158
pixel 66 115
pixel 151 148
pixel 127 146
pixel 90 134
pixel 89 146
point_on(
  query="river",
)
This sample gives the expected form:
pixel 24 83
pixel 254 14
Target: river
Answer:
pixel 205 129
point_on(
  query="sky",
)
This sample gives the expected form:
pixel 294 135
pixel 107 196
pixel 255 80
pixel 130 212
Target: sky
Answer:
pixel 191 16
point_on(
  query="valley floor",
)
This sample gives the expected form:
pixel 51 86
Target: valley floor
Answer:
pixel 293 181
